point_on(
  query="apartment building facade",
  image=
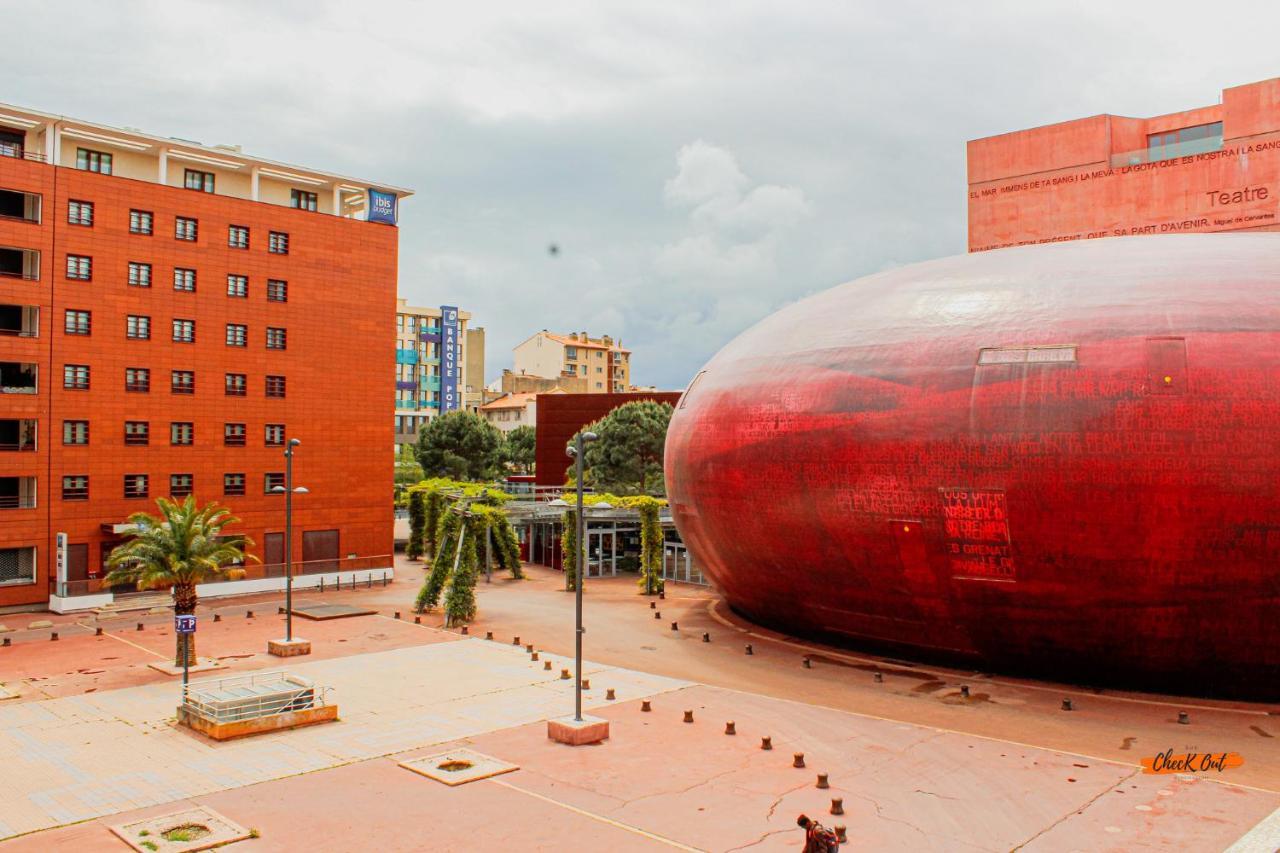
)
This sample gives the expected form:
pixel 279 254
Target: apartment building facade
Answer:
pixel 603 362
pixel 1206 169
pixel 171 314
pixel 434 363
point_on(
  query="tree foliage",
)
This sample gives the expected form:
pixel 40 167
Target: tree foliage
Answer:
pixel 627 457
pixel 522 443
pixel 181 547
pixel 417 524
pixel 460 445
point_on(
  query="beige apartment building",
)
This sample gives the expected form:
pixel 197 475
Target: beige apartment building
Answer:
pixel 439 365
pixel 513 410
pixel 602 362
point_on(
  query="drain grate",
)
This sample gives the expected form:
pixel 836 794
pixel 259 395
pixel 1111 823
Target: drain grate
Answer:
pixel 458 767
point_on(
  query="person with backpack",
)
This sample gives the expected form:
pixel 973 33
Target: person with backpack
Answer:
pixel 817 838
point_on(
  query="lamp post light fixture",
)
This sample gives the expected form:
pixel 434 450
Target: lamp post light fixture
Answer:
pixel 289 646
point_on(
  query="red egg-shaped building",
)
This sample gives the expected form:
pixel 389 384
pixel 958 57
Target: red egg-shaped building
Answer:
pixel 1061 460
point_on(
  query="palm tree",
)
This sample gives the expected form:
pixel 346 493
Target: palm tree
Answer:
pixel 179 548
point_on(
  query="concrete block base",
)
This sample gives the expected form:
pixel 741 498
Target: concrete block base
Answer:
pixel 289 648
pixel 578 732
pixel 201 665
pixel 257 725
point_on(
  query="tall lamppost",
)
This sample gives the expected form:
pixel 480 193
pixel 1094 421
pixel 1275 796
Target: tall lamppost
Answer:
pixel 289 491
pixel 577 452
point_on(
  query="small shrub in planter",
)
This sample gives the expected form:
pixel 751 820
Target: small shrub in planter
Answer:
pixel 235 574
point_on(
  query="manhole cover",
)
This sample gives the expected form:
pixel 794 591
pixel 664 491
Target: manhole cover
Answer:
pixel 458 767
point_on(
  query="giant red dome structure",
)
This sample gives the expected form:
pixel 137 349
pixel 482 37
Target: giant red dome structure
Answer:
pixel 1061 460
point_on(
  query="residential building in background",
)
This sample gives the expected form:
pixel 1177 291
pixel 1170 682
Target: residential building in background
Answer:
pixel 522 383
pixel 603 362
pixel 473 368
pixel 1214 168
pixel 172 313
pixel 513 410
pixel 431 365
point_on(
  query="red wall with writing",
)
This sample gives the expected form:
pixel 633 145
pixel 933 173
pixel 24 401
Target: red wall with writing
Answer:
pixel 1097 177
pixel 1060 459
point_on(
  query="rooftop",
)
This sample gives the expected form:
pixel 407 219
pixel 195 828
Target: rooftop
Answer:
pixel 47 137
pixel 514 401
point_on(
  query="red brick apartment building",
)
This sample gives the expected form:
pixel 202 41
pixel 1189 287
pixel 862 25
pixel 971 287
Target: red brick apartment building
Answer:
pixel 1214 168
pixel 170 315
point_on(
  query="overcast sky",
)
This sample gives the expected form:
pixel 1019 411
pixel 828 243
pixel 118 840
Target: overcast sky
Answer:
pixel 698 164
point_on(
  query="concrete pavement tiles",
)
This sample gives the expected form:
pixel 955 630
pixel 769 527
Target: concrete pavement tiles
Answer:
pixel 73 758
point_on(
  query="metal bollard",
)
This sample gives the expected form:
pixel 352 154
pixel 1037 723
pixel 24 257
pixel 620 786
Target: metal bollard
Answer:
pixel 662 594
pixel 822 781
pixel 841 833
pixel 417 620
pixel 564 675
pixel 837 806
pixel 384 578
pixel 730 728
pixel 465 630
pixel 397 614
pixel 488 635
pixel 749 651
pixel 529 648
pixel 608 694
pixel 644 703
pixel 766 743
pixel 806 663
pixel 97 632
pixel 675 626
pixel 706 638
pixel 515 641
pixel 1067 706
pixel 5 642
pixel 1184 718
pixel 533 656
pixel 964 691
pixel 653 605
pixel 139 628
pixel 217 617
pixel 53 635
pixel 322 584
pixel 586 684
pixel 657 614
pixel 546 664
pixel 279 611
pixel 248 614
pixel 798 760
pixel 688 716
pixel 877 677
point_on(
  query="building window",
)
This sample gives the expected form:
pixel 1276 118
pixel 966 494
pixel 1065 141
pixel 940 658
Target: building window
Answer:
pixel 182 433
pixel 237 285
pixel 77 322
pixel 237 334
pixel 183 382
pixel 80 267
pixel 278 243
pixel 139 274
pixel 75 432
pixel 138 327
pixel 93 161
pixel 196 180
pixel 75 487
pixel 184 279
pixel 1197 139
pixel 237 384
pixel 302 199
pixel 233 435
pixel 184 228
pixel 184 331
pixel 80 212
pixel 137 379
pixel 275 435
pixel 275 386
pixel 570 352
pixel 75 377
pixel 273 480
pixel 275 338
pixel 277 291
pixel 17 565
pixel 136 485
pixel 137 433
pixel 180 485
pixel 237 236
pixel 141 221
pixel 233 484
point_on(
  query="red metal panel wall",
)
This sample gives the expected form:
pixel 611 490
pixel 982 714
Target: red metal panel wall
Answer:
pixel 1107 507
pixel 560 416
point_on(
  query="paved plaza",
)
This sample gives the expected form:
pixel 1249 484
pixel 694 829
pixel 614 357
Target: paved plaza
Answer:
pixel 90 742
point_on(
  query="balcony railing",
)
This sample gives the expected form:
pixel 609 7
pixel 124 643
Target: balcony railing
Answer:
pixel 17 502
pixel 19 152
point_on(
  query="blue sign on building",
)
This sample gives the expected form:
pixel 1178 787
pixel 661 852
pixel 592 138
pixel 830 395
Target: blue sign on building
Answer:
pixel 449 398
pixel 382 207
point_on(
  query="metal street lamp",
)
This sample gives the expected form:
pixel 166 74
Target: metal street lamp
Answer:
pixel 289 491
pixel 576 453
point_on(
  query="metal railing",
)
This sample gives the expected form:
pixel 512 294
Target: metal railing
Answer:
pixel 19 152
pixel 253 696
pixel 254 571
